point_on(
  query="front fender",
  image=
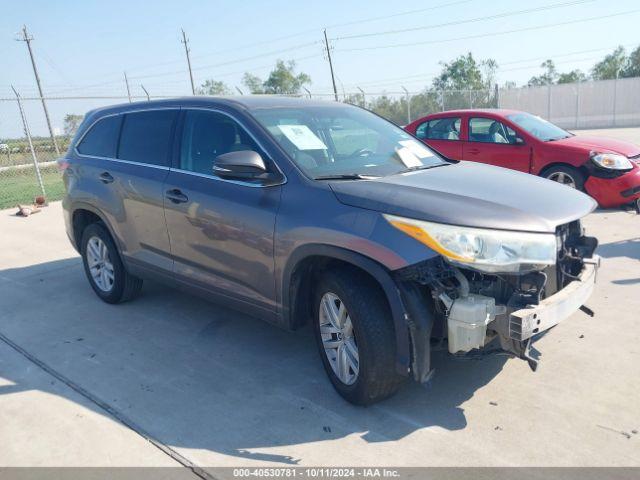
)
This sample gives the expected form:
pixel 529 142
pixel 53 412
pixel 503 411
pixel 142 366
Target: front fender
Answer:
pixel 377 271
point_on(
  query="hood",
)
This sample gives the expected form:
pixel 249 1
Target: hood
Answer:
pixel 470 194
pixel 601 144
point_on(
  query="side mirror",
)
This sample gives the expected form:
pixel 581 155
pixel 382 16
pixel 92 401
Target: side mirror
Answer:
pixel 244 164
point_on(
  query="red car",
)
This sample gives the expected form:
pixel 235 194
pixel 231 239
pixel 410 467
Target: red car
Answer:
pixel 607 169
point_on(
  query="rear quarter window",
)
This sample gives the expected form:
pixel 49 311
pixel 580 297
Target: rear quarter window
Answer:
pixel 101 140
pixel 146 137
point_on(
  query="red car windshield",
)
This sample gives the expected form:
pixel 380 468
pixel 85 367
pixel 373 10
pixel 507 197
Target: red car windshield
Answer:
pixel 539 128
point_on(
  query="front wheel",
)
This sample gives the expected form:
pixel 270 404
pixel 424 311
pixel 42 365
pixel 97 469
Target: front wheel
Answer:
pixel 355 336
pixel 565 175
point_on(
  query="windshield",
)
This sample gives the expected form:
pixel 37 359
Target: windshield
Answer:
pixel 341 140
pixel 539 128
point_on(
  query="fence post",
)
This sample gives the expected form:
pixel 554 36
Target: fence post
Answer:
pixel 28 135
pixel 442 100
pixel 497 95
pixel 615 95
pixel 406 93
pixel 578 104
pixel 470 100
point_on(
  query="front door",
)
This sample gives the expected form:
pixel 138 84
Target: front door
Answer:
pixel 492 142
pixel 221 231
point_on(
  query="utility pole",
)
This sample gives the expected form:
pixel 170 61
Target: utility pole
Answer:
pixel 364 101
pixel 333 80
pixel 126 81
pixel 27 134
pixel 186 51
pixel 406 92
pixel 27 39
pixel 147 93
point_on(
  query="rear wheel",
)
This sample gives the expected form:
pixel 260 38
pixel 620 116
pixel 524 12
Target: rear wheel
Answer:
pixel 103 266
pixel 355 336
pixel 565 175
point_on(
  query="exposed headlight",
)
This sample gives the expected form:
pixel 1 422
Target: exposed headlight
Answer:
pixel 485 250
pixel 612 161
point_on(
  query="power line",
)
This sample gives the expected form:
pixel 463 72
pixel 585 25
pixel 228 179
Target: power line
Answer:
pixel 400 14
pixel 230 62
pixel 470 20
pixel 425 76
pixel 491 34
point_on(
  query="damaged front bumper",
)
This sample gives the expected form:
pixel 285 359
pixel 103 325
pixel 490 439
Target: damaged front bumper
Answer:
pixel 527 322
pixel 472 309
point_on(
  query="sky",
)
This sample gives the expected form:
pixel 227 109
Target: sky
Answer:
pixel 82 48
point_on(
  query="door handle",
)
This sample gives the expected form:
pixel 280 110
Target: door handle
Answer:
pixel 475 151
pixel 176 196
pixel 105 177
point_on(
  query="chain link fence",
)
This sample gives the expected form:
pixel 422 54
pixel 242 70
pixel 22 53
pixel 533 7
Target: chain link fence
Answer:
pixel 602 104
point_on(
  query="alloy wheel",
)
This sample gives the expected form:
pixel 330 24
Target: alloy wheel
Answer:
pixel 563 178
pixel 100 265
pixel 338 338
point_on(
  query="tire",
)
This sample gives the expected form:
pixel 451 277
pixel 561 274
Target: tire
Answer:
pixel 116 285
pixel 373 336
pixel 572 177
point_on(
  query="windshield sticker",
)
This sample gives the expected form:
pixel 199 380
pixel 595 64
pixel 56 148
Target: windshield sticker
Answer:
pixel 302 137
pixel 416 148
pixel 408 157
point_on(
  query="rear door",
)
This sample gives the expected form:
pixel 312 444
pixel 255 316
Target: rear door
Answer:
pixel 443 135
pixel 127 180
pixel 491 141
pixel 221 230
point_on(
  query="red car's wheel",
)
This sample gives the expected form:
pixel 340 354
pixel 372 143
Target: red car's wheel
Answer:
pixel 569 176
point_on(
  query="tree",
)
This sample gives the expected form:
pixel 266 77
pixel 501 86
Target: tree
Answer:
pixel 573 76
pixel 464 73
pixel 214 87
pixel 632 68
pixel 71 123
pixel 281 80
pixel 610 66
pixel 253 83
pixel 548 77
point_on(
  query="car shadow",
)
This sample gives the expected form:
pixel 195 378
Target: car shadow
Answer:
pixel 198 376
pixel 624 248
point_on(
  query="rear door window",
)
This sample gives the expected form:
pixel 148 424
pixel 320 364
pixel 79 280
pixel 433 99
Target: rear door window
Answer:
pixel 102 138
pixel 146 137
pixel 439 129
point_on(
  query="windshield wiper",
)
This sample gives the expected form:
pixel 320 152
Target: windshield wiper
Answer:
pixel 422 167
pixel 346 176
pixel 556 138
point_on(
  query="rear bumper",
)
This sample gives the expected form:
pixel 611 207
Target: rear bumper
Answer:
pixel 613 192
pixel 527 322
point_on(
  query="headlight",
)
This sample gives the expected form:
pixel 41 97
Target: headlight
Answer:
pixel 611 161
pixel 485 250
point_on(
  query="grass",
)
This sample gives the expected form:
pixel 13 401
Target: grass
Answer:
pixel 22 187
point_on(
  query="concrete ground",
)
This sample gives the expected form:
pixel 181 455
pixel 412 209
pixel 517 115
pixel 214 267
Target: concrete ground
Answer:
pixel 196 384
